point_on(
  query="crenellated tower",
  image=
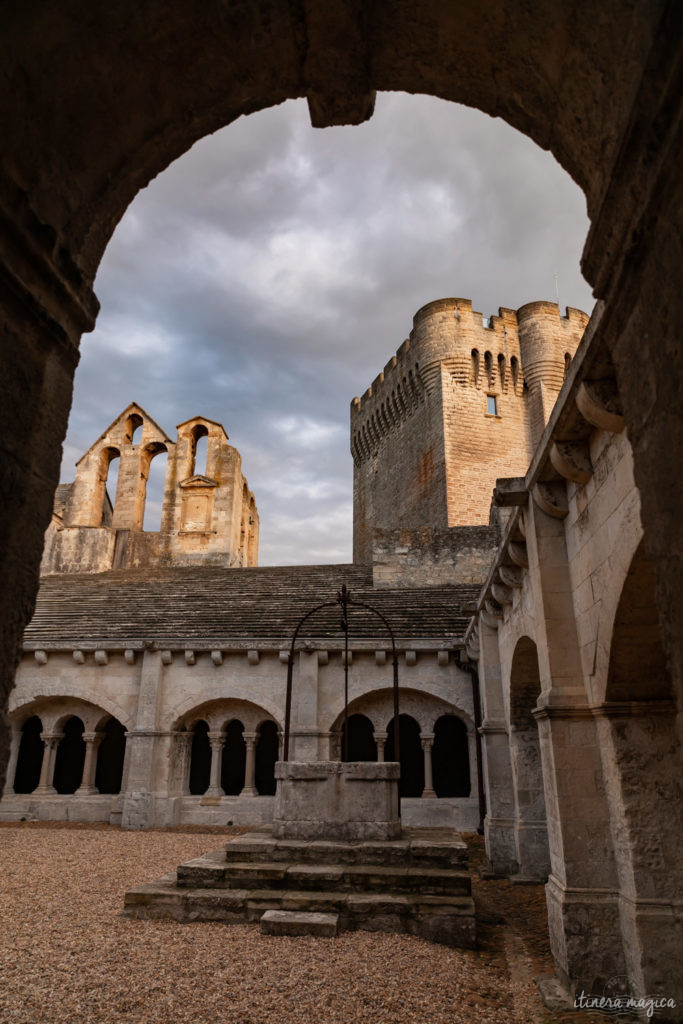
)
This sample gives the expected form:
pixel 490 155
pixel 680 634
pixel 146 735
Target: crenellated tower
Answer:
pixel 463 401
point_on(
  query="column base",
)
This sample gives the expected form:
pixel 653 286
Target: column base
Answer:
pixel 585 936
pixel 428 794
pixel 87 791
pixel 44 791
pixel 214 791
pixel 249 792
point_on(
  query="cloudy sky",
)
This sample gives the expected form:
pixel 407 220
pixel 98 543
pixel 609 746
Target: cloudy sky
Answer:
pixel 269 274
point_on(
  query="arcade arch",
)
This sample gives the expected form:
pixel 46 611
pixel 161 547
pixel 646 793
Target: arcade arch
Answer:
pixel 227 748
pixel 437 743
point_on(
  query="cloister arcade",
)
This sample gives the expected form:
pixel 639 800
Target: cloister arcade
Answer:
pixel 60 748
pixel 437 742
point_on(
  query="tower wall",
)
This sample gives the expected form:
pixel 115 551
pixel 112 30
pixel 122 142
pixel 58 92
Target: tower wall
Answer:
pixel 463 402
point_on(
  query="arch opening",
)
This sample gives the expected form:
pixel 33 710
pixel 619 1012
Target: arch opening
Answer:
pixel 531 831
pixel 267 746
pixel 110 757
pixel 30 757
pixel 412 778
pixel 200 759
pixel 70 757
pixel 234 761
pixel 361 745
pixel 451 758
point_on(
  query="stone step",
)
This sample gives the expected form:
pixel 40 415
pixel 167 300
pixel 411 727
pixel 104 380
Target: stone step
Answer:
pixel 428 848
pixel 209 872
pixel 290 922
pixel 444 919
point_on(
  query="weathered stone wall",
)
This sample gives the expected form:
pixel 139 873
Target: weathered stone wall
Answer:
pixel 207 518
pixel 428 557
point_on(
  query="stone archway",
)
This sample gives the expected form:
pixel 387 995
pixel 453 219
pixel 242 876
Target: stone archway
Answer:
pixel 100 98
pixel 531 830
pixel 77 156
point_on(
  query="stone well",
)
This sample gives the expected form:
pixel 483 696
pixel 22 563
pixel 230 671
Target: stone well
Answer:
pixel 348 800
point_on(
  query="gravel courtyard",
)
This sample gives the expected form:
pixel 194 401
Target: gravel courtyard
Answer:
pixel 67 955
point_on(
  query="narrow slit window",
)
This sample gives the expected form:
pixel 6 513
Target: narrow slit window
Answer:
pixel 492 405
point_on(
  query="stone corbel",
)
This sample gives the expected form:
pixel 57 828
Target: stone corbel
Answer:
pixel 79 657
pixel 41 657
pixel 518 554
pixel 572 460
pixel 501 593
pixel 598 402
pixel 129 657
pixel 166 657
pixel 551 498
pixel 492 621
pixel 442 658
pixel 217 658
pixel 190 658
pixel 284 657
pixel 493 608
pixel 253 657
pixel 411 657
pixel 511 576
pixel 380 657
pixel 101 658
pixel 323 657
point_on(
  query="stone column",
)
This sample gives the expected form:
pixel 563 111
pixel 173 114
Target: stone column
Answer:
pixel 12 763
pixel 499 823
pixel 92 741
pixel 182 747
pixel 250 768
pixel 141 742
pixel 582 889
pixel 217 741
pixel 427 743
pixel 380 740
pixel 47 768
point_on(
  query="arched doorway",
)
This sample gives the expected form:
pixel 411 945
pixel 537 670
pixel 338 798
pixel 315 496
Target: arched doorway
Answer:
pixel 266 756
pixel 451 758
pixel 412 780
pixel 531 831
pixel 30 758
pixel 70 757
pixel 361 745
pixel 200 759
pixel 234 760
pixel 110 757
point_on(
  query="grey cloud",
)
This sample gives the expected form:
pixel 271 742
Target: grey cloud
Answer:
pixel 268 275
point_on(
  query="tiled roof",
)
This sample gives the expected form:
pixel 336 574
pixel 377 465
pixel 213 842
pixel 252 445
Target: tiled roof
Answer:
pixel 212 604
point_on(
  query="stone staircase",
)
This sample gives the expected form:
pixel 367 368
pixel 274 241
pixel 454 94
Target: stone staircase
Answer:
pixel 418 884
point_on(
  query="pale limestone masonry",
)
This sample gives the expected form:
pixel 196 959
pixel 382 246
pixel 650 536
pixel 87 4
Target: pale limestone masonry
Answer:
pixel 581 757
pixel 207 518
pixel 463 401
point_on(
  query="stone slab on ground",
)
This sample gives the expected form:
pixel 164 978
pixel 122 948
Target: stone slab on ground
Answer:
pixel 289 922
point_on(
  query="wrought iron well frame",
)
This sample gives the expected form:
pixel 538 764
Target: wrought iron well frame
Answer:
pixel 343 599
